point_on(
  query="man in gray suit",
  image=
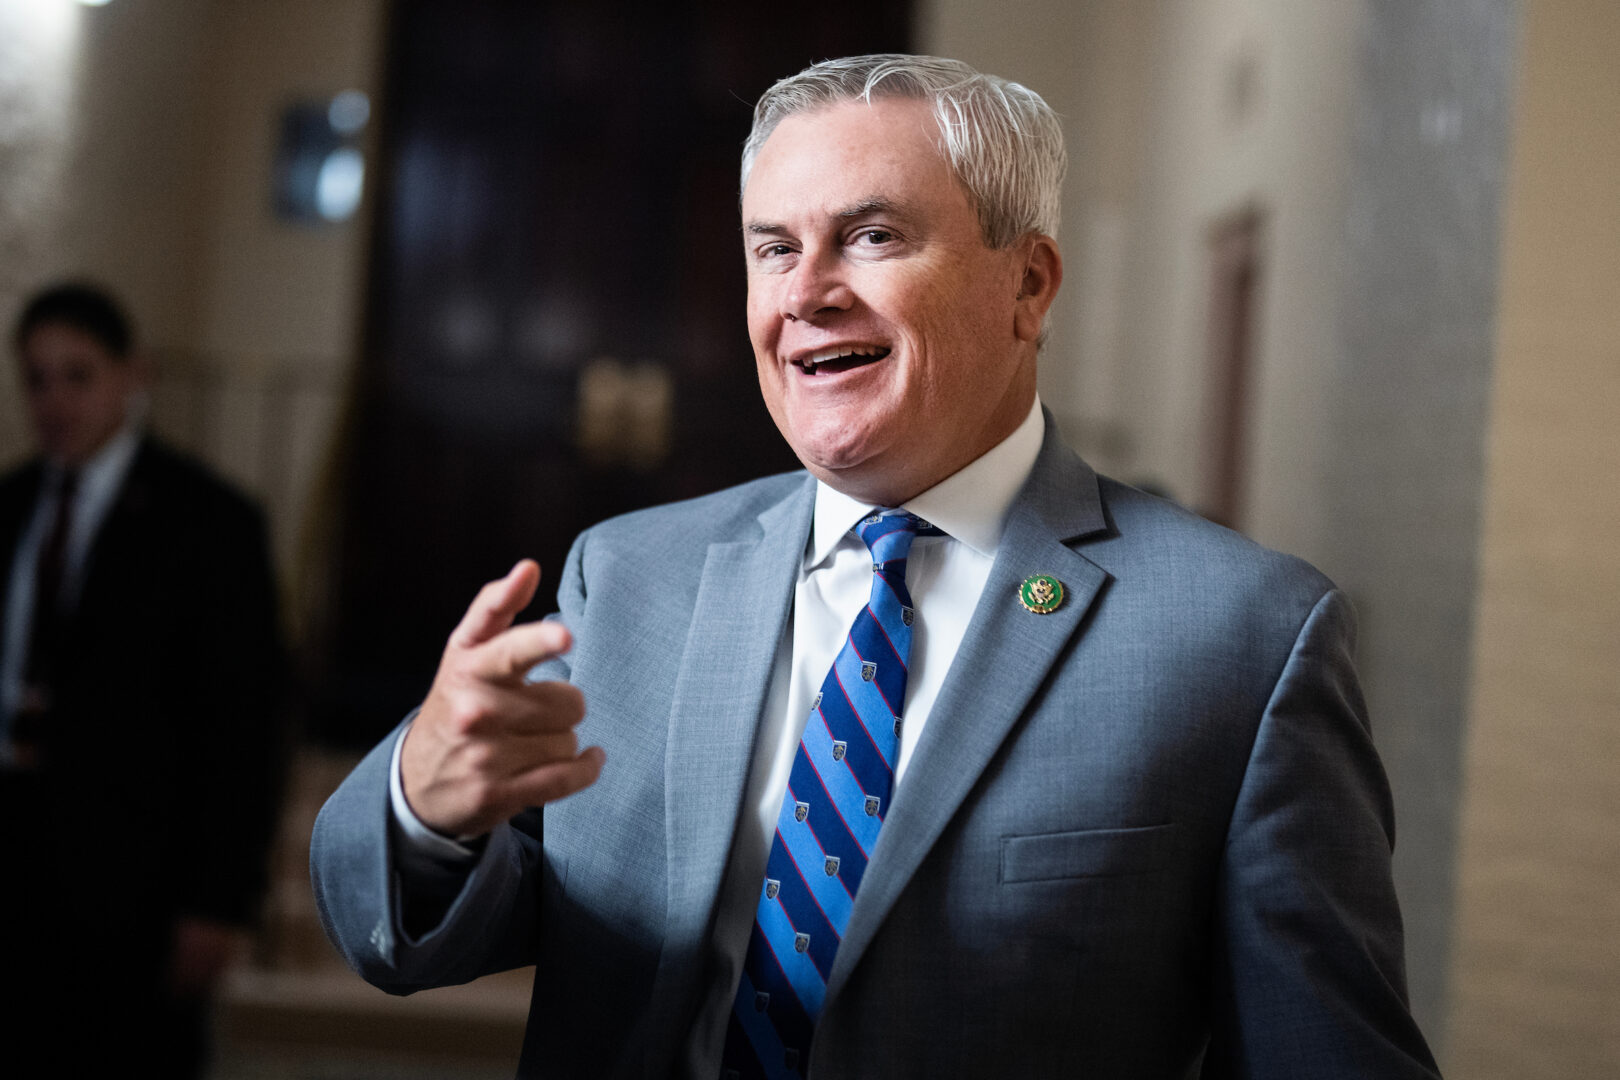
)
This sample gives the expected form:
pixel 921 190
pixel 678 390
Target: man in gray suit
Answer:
pixel 1132 823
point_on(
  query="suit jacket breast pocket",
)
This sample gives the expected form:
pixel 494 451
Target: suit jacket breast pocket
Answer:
pixel 1087 853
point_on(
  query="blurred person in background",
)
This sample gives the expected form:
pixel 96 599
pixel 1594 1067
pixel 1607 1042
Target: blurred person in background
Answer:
pixel 141 694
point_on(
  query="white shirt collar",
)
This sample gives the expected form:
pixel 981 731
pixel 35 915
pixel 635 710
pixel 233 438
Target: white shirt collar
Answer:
pixel 970 505
pixel 104 472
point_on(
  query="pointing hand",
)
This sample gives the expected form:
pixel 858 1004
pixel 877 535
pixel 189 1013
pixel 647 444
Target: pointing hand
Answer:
pixel 487 744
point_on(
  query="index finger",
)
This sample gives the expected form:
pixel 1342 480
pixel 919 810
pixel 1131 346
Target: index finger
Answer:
pixel 496 605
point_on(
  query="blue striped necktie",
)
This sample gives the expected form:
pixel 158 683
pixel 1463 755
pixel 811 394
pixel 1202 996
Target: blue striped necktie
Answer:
pixel 838 792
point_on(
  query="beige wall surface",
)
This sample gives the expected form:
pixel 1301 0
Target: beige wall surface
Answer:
pixel 1178 114
pixel 99 142
pixel 1092 63
pixel 1253 109
pixel 136 148
pixel 1536 973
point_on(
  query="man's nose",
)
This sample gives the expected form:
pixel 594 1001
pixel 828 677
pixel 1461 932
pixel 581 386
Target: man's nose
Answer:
pixel 817 286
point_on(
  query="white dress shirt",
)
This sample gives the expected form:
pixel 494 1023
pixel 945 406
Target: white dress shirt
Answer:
pixel 945 576
pixel 100 480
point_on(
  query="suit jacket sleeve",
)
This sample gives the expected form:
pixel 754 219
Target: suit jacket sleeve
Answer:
pixel 1308 976
pixel 485 922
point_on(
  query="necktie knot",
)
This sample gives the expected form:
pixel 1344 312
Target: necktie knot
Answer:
pixel 888 534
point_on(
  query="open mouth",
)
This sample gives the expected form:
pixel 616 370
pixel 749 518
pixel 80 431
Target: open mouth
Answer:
pixel 833 361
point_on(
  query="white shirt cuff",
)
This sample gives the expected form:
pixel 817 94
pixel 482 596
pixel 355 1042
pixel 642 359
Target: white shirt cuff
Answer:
pixel 417 838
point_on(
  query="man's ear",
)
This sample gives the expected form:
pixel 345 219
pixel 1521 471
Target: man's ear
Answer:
pixel 1042 274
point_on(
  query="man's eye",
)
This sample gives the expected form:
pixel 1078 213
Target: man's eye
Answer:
pixel 875 236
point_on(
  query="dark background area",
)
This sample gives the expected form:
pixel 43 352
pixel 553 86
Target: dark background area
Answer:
pixel 558 183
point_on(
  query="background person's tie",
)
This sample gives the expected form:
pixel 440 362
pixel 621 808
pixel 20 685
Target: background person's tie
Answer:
pixel 838 792
pixel 47 629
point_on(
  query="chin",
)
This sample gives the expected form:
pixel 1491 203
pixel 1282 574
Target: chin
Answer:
pixel 833 451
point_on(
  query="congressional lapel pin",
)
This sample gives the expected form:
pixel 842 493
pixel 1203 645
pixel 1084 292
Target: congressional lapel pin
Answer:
pixel 1041 593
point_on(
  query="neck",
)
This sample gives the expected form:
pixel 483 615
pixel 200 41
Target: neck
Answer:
pixel 885 482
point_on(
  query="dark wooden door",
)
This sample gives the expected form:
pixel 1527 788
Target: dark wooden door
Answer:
pixel 555 328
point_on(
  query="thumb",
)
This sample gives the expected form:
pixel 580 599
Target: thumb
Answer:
pixel 496 605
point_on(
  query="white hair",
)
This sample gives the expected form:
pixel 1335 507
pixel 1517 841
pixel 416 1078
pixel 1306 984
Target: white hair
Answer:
pixel 1002 140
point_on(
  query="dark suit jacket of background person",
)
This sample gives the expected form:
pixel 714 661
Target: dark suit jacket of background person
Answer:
pixel 162 754
pixel 1144 836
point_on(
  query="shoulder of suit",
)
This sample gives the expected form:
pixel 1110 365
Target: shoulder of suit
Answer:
pixel 1148 529
pixel 175 477
pixel 721 515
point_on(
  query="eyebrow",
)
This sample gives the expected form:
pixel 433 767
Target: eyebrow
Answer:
pixel 860 209
pixel 871 206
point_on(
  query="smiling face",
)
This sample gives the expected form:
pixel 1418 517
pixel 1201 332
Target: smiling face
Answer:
pixel 893 346
pixel 78 391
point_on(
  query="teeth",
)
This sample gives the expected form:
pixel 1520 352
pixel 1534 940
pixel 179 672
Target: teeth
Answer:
pixel 814 360
pixel 836 354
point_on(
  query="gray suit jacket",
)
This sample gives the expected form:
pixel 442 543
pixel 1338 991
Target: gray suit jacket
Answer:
pixel 1144 836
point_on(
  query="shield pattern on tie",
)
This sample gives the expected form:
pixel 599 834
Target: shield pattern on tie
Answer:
pixel 862 641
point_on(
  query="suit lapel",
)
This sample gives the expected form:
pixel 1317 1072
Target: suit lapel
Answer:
pixel 1003 660
pixel 741 613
